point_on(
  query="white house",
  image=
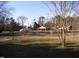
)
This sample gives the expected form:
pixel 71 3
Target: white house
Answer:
pixel 42 28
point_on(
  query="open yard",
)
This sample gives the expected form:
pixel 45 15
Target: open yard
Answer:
pixel 71 41
pixel 38 46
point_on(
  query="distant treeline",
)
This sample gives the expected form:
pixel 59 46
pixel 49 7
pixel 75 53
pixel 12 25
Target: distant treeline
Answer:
pixel 56 22
pixel 9 24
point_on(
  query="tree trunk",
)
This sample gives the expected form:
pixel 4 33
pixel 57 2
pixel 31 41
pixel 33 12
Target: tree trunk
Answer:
pixel 63 34
pixel 63 38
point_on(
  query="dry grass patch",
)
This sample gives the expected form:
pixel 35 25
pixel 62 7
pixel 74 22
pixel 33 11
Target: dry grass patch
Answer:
pixel 36 39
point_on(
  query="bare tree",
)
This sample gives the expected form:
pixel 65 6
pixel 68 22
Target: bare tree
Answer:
pixel 64 9
pixel 4 11
pixel 22 19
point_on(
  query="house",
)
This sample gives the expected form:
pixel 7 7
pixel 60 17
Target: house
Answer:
pixel 41 28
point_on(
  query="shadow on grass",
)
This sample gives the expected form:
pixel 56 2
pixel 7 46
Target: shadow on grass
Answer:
pixel 72 44
pixel 35 51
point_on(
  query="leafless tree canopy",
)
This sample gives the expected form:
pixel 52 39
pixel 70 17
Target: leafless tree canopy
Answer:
pixel 4 11
pixel 65 7
pixel 22 19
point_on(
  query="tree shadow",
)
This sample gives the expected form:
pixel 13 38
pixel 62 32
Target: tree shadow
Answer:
pixel 72 44
pixel 36 51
